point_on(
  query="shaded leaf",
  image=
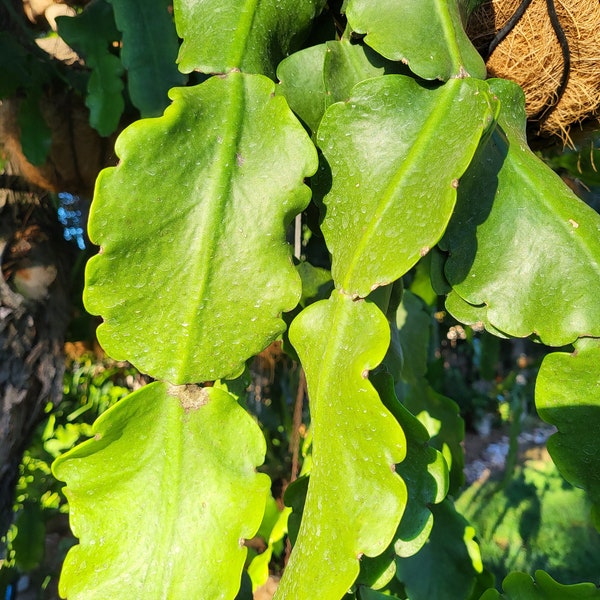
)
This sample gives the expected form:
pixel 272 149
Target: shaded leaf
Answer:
pixel 30 530
pixel 428 35
pixel 470 314
pixel 567 395
pixel 146 497
pixel 245 592
pixel 189 282
pixel 355 499
pixel 149 51
pixel 394 358
pixel 104 94
pixel 91 34
pixel 581 163
pixel 316 283
pixel 421 284
pixel 13 65
pixel 36 136
pixel 414 324
pixel 347 64
pixel 377 572
pixel 524 250
pixel 301 82
pixel 424 471
pixel 521 586
pixel 441 417
pixel 222 35
pixel 448 566
pixel 387 207
pixel 295 498
pixel 367 594
pixel 318 76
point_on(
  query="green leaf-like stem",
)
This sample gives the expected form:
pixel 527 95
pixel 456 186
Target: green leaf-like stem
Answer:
pixel 355 499
pixel 91 33
pixel 524 250
pixel 163 496
pixel 247 35
pixel 149 51
pixel 521 586
pixel 396 150
pixel 567 395
pixel 428 35
pixel 189 281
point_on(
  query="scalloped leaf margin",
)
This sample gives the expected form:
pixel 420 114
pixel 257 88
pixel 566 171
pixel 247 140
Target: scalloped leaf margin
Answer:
pixel 167 484
pixel 189 282
pixel 355 499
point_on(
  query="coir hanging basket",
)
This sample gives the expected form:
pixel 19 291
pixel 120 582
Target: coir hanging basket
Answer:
pixel 551 48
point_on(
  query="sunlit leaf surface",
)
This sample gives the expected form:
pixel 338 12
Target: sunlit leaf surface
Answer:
pixel 194 271
pixel 163 496
pixel 252 36
pixel 355 499
pixel 428 35
pixel 395 150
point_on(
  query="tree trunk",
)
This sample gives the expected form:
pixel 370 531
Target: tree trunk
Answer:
pixel 34 314
pixel 36 261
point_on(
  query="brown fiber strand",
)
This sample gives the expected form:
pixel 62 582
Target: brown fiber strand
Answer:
pixel 531 56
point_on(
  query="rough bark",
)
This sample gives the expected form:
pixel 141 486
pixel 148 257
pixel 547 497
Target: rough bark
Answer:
pixel 33 321
pixel 36 262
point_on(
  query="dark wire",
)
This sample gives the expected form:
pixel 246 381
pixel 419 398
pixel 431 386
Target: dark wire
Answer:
pixel 550 105
pixel 545 112
pixel 508 27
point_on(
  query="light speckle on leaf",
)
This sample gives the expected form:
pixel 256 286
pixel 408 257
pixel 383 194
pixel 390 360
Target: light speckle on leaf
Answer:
pixel 191 397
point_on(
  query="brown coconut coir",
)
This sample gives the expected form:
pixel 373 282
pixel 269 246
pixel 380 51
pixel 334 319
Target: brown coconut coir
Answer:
pixel 561 81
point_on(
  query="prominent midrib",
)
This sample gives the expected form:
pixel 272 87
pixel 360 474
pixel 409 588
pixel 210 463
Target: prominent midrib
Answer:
pixel 417 149
pixel 450 36
pixel 242 32
pixel 336 330
pixel 171 489
pixel 216 196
